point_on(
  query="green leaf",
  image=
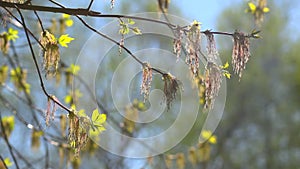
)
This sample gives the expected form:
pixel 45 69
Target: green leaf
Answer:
pixel 136 31
pixel 67 19
pixel 10 121
pixel 207 135
pixel 97 118
pixel 255 34
pixel 225 66
pixel 73 69
pixel 81 113
pixel 227 75
pixel 68 99
pixel 98 121
pixel 66 16
pixel 131 22
pixel 266 10
pixel 27 87
pixel 12 34
pixel 124 29
pixel 252 7
pixel 63 40
pixel 7 162
pixel 69 22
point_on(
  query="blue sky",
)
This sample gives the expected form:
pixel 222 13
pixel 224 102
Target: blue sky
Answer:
pixel 206 12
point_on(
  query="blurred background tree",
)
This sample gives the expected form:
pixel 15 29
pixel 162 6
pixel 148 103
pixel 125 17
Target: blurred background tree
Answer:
pixel 261 119
pixel 260 124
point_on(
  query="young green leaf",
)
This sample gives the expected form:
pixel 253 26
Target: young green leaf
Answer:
pixel 12 34
pixel 225 66
pixel 68 20
pixel 64 40
pixel 136 31
pixel 97 118
pixel 131 22
pixel 7 162
pixel 124 29
pixel 227 74
pixel 252 7
pixel 266 10
pixel 73 69
pixel 207 135
pixel 98 121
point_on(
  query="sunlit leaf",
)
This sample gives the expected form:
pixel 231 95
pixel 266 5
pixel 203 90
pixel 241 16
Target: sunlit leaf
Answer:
pixel 97 118
pixel 68 99
pixel 225 66
pixel 64 40
pixel 136 31
pixel 66 16
pixel 207 135
pixel 7 162
pixel 213 139
pixel 266 10
pixel 12 34
pixel 69 22
pixel 67 19
pixel 124 29
pixel 252 7
pixel 227 75
pixel 131 22
pixel 73 69
pixel 98 121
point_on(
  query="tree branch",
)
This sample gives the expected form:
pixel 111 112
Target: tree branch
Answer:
pixel 37 66
pixel 70 11
pixel 76 11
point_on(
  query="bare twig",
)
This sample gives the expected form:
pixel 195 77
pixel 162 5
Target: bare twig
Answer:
pixel 90 5
pixel 37 67
pixel 77 11
pixel 39 19
pixel 70 11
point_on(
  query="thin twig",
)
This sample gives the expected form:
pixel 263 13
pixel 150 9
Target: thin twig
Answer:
pixel 36 39
pixel 77 11
pixel 112 40
pixel 90 5
pixel 70 11
pixel 37 66
pixel 39 19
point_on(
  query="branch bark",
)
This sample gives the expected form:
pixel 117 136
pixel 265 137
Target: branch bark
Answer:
pixel 70 11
